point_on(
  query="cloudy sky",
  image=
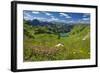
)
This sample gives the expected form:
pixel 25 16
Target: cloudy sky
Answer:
pixel 65 17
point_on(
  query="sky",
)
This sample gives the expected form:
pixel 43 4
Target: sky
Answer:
pixel 65 17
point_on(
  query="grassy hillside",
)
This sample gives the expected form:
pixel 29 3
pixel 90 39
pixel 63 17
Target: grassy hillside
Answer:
pixel 40 43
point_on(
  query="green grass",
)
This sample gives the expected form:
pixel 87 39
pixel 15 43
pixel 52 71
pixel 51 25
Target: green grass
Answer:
pixel 42 47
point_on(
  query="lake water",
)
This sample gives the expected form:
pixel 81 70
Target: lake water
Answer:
pixel 63 34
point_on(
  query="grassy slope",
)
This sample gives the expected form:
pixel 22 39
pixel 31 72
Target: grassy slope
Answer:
pixel 43 46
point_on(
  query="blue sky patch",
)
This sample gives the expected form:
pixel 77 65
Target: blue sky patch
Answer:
pixel 65 17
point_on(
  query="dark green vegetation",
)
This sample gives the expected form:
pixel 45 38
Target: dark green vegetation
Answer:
pixel 40 42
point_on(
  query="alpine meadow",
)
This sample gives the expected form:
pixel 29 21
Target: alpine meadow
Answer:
pixel 50 36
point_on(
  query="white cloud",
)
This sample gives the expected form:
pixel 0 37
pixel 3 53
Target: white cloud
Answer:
pixel 71 21
pixel 44 19
pixel 54 19
pixel 85 19
pixel 86 15
pixel 66 15
pixel 35 12
pixel 39 18
pixel 27 16
pixel 48 14
pixel 63 20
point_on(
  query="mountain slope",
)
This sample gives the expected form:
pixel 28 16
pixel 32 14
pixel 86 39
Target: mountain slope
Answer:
pixel 39 42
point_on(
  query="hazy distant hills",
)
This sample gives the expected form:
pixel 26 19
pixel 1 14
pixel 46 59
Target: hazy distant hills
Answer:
pixel 36 22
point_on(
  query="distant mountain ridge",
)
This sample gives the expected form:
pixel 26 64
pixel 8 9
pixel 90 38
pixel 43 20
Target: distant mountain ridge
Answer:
pixel 36 22
pixel 54 26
